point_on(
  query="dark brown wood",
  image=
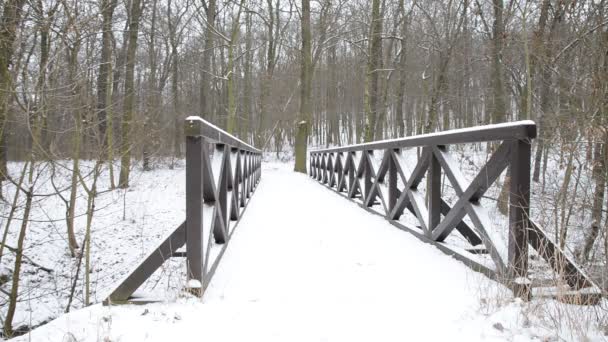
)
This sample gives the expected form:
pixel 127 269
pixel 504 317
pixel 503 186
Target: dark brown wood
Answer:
pixel 523 130
pixel 519 213
pixel 233 174
pixel 197 127
pixel 392 182
pixel 367 177
pixel 411 185
pixel 148 266
pixel 548 250
pixel 194 204
pixel 486 176
pixel 463 228
pixel 434 194
pixel 359 175
pixel 219 228
pixel 331 169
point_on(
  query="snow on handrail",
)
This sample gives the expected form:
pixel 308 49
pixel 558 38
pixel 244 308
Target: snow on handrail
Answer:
pixel 518 130
pixel 197 126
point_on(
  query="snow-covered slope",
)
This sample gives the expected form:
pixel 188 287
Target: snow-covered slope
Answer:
pixel 307 265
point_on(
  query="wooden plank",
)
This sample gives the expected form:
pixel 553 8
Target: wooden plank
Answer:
pixel 367 177
pixel 174 241
pixel 463 228
pixel 519 213
pixel 520 130
pixel 412 183
pixel 557 259
pixel 434 193
pixel 194 207
pixel 486 176
pixel 393 192
pixel 220 229
pixel 198 127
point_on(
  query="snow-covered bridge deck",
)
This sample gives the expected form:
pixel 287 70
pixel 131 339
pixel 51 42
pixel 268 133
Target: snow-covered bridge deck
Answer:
pixel 306 265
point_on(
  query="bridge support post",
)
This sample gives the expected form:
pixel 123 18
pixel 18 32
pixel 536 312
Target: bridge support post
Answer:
pixel 392 182
pixel 194 204
pixel 519 219
pixel 434 193
pixel 367 157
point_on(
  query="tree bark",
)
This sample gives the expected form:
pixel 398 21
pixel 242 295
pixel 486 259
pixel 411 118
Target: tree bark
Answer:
pixel 11 19
pixel 206 75
pixel 231 126
pixel 305 91
pixel 373 73
pixel 400 109
pixel 103 76
pixel 129 102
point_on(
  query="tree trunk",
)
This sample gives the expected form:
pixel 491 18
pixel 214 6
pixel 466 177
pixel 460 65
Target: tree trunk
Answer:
pixel 333 117
pixel 399 111
pixel 129 102
pixel 247 125
pixel 231 125
pixel 76 143
pixel 11 19
pixel 599 176
pixel 372 96
pixel 177 116
pixel 206 75
pixel 305 90
pixel 103 77
pixel 498 87
pixel 14 294
pixel 546 83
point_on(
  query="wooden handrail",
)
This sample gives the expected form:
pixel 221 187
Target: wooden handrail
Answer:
pixel 395 186
pixel 521 130
pixel 218 189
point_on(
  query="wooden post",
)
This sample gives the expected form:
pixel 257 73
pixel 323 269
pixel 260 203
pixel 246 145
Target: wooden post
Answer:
pixel 351 174
pixel 367 176
pixel 249 175
pixel 220 230
pixel 330 169
pixel 234 185
pixel 519 213
pixel 194 202
pixel 243 183
pixel 310 164
pixel 325 165
pixel 339 171
pixel 434 193
pixel 392 181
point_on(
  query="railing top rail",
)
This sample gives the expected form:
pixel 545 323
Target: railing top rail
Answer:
pixel 519 130
pixel 196 126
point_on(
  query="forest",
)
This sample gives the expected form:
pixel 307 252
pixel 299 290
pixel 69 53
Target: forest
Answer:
pixel 94 93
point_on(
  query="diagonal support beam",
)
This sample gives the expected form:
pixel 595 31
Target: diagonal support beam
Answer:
pixel 411 185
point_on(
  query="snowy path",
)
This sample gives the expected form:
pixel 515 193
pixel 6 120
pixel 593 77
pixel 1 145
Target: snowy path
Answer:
pixel 307 265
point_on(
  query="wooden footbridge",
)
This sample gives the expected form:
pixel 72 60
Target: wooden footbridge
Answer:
pixel 403 180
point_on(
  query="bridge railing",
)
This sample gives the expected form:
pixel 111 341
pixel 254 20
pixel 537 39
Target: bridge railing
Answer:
pixel 222 173
pixel 394 186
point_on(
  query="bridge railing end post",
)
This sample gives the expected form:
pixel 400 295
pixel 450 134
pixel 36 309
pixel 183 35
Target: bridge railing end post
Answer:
pixel 519 218
pixel 194 201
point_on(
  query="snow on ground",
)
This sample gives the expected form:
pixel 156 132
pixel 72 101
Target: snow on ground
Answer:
pixel 126 225
pixel 306 264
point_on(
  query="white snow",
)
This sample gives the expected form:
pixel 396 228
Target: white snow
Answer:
pixel 194 284
pixel 307 265
pixel 436 134
pixel 219 130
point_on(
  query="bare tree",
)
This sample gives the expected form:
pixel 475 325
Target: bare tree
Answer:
pixel 305 90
